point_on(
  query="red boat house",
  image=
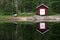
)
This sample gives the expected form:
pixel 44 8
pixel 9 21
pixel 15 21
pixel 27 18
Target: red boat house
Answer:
pixel 42 9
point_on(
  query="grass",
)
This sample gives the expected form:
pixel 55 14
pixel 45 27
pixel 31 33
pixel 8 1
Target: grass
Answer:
pixel 4 17
pixel 21 14
pixel 52 13
pixel 26 14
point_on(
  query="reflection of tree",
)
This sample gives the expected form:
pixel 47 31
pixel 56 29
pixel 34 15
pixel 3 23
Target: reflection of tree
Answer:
pixel 55 30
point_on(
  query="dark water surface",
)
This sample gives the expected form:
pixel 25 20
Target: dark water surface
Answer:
pixel 27 31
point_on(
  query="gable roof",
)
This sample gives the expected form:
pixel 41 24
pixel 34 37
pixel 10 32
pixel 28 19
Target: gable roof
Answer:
pixel 41 5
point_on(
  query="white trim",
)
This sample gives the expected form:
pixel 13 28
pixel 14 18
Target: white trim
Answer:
pixel 42 26
pixel 42 32
pixel 42 4
pixel 42 11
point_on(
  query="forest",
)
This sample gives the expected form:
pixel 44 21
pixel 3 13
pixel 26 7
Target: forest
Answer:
pixel 27 30
pixel 7 7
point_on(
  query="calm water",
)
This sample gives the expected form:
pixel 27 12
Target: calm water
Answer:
pixel 27 31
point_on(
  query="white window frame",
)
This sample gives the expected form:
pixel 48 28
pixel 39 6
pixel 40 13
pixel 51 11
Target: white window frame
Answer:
pixel 42 25
pixel 42 11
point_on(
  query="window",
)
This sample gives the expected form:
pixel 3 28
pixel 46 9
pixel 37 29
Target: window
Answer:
pixel 42 11
pixel 42 25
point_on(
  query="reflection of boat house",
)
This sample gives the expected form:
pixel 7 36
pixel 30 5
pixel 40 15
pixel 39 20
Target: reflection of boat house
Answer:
pixel 42 26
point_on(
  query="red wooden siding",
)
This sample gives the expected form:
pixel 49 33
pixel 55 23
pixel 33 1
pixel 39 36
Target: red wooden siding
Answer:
pixel 42 30
pixel 42 7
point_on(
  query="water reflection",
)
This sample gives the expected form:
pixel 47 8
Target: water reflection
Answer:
pixel 7 31
pixel 27 31
pixel 42 27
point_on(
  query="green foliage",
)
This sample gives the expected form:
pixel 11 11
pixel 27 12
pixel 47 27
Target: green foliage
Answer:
pixel 7 7
pixel 26 14
pixel 56 6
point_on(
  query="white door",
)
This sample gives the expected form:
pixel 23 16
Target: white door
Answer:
pixel 42 11
pixel 42 25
